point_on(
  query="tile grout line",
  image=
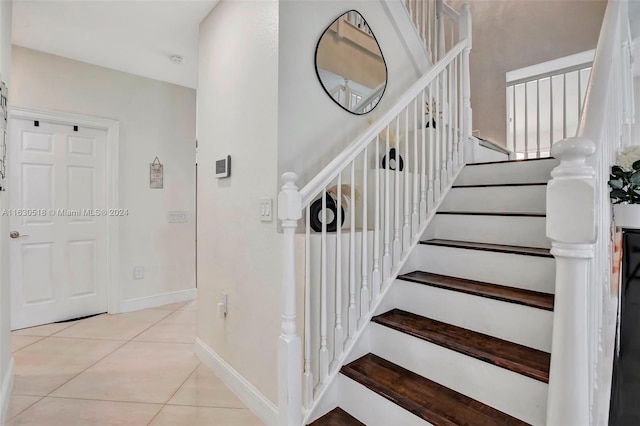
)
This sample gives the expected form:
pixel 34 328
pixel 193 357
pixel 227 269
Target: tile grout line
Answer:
pixel 175 392
pixel 40 398
pixel 110 353
pixel 32 343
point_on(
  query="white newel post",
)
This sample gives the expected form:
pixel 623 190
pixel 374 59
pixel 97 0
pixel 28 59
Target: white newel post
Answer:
pixel 571 226
pixel 467 116
pixel 290 347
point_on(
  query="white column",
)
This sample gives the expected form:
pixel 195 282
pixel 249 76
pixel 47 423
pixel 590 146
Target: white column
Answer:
pixel 290 346
pixel 571 226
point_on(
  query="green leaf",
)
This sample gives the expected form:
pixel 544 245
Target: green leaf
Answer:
pixel 618 193
pixel 635 178
pixel 636 165
pixel 616 183
pixel 618 171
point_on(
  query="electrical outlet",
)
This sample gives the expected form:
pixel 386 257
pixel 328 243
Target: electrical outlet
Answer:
pixel 138 272
pixel 177 217
pixel 223 305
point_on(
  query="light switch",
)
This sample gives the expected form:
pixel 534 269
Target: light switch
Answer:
pixel 266 207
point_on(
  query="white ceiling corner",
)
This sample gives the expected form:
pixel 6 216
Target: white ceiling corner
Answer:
pixel 134 36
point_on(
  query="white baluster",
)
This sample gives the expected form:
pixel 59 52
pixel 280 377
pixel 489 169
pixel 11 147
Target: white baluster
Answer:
pixel 429 45
pixel 290 345
pixel 571 227
pixel 551 129
pixel 564 106
pixel 406 229
pixel 444 174
pixel 364 291
pixel 386 258
pixel 465 33
pixel 338 335
pixel 440 12
pixel 397 247
pixel 526 120
pixel 438 127
pixel 308 374
pixel 432 154
pixel 416 173
pixel 376 276
pixel 449 124
pixel 353 310
pixel 537 118
pixel 324 351
pixel 423 168
pixel 455 109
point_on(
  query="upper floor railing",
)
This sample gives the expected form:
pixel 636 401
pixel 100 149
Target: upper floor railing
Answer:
pixel 544 103
pixel 384 188
pixel 437 24
pixel 579 224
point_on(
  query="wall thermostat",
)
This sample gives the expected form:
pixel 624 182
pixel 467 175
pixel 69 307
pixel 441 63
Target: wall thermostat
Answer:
pixel 223 167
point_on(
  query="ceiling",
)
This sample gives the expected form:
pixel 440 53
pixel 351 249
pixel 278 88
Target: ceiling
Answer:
pixel 135 36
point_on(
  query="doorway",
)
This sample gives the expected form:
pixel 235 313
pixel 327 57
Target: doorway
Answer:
pixel 63 213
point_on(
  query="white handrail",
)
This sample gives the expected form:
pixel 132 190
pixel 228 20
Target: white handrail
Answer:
pixel 327 174
pixel 578 224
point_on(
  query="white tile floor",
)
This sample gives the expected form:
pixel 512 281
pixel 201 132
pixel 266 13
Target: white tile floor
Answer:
pixel 137 368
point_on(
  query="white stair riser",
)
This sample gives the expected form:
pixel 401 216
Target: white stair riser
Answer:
pixel 517 395
pixel 525 231
pixel 514 270
pixel 371 408
pixel 505 320
pixel 514 172
pixel 531 198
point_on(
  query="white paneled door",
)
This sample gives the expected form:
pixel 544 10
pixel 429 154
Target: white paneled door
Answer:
pixel 58 223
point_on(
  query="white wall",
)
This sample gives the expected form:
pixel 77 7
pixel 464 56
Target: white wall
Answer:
pixel 156 119
pixel 5 305
pixel 510 34
pixel 237 254
pixel 312 128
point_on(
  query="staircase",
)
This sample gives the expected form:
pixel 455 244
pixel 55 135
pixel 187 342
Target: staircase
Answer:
pixel 437 303
pixel 468 338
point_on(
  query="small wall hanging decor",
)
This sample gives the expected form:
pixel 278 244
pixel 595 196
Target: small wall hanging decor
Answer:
pixel 156 174
pixel 4 114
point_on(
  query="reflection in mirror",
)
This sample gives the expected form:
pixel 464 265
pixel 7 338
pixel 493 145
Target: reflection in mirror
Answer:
pixel 350 64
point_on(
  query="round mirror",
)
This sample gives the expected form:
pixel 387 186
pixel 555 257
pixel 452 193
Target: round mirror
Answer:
pixel 350 65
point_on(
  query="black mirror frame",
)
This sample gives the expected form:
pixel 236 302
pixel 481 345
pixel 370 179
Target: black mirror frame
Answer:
pixel 315 63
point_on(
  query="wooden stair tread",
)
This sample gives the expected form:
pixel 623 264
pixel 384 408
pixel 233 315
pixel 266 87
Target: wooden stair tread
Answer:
pixel 426 399
pixel 492 185
pixel 337 417
pixel 476 213
pixel 511 356
pixel 500 248
pixel 522 160
pixel 531 298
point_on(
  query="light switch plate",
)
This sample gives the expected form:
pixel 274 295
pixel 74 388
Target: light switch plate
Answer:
pixel 266 210
pixel 177 217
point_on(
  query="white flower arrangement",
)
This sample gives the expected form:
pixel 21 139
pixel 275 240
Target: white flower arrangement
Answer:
pixel 628 156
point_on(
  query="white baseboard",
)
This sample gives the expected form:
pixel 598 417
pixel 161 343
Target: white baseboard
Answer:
pixel 158 300
pixel 5 392
pixel 248 394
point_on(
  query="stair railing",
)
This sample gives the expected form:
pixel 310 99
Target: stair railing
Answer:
pixel 554 99
pixel 579 223
pixel 437 25
pixel 385 186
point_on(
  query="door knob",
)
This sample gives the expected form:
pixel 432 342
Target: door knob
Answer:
pixel 16 234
